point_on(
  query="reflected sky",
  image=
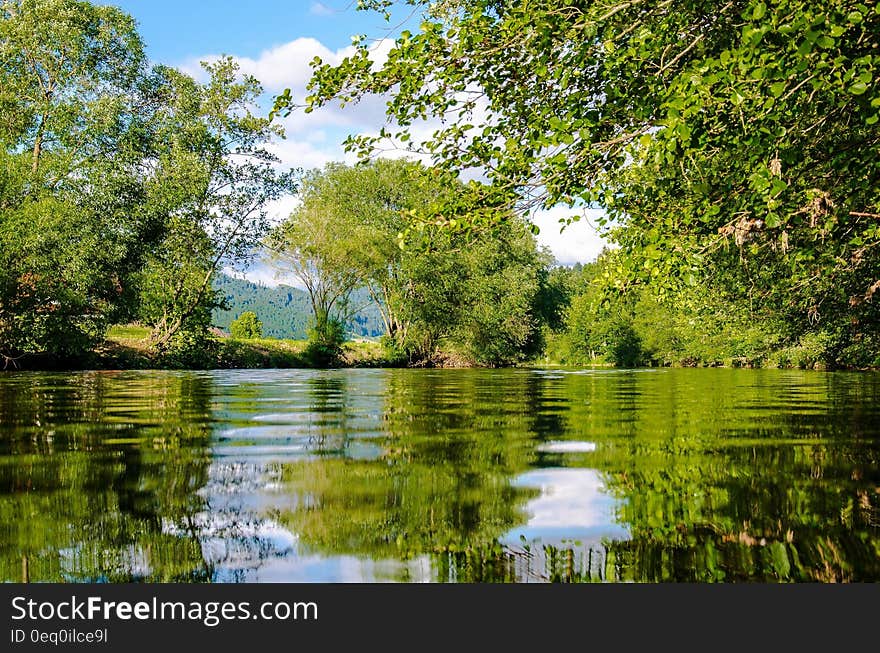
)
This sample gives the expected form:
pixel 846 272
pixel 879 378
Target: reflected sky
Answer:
pixel 573 505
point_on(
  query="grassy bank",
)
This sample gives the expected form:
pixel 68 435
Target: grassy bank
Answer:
pixel 127 347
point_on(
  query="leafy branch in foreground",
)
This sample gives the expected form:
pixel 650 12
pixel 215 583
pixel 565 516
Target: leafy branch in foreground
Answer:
pixel 731 141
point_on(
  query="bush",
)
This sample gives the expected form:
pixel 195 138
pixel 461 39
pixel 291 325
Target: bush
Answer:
pixel 624 345
pixel 395 352
pixel 190 349
pixel 325 342
pixel 247 326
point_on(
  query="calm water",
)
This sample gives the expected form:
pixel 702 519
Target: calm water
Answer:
pixel 447 475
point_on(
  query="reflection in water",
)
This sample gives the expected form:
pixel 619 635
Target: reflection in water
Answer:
pixel 573 505
pixel 91 466
pixel 440 475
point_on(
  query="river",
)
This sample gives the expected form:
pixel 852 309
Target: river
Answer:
pixel 520 475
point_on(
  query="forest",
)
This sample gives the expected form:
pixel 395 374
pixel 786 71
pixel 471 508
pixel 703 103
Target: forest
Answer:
pixel 735 150
pixel 284 311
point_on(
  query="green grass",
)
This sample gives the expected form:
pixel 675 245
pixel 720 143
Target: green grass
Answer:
pixel 127 332
pixel 126 347
pixel 261 352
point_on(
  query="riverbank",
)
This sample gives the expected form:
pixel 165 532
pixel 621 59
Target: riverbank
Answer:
pixel 127 347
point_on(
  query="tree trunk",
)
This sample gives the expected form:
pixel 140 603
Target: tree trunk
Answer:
pixel 38 148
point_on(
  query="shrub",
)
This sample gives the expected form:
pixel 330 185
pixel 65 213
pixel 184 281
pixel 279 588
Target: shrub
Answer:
pixel 325 342
pixel 247 326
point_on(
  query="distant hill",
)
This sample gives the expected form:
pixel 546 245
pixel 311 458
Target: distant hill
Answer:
pixel 284 310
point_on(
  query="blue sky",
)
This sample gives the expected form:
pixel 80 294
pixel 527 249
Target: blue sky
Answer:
pixel 274 40
pixel 176 30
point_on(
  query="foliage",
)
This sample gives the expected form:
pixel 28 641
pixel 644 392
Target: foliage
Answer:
pixel 734 143
pixel 213 180
pixel 190 347
pixel 72 223
pixel 473 298
pixel 320 251
pixel 123 189
pixel 480 300
pixel 372 205
pixel 325 342
pixel 247 325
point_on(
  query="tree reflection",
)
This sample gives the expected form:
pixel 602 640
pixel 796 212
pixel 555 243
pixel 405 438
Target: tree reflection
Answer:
pixel 453 475
pixel 94 469
pixel 718 476
pixel 440 478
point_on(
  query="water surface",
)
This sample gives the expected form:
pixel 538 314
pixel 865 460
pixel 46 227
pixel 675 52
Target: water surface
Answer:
pixel 443 475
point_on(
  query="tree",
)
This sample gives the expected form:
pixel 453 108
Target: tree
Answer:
pixel 371 204
pixel 475 298
pixel 736 141
pixel 123 189
pixel 213 181
pixel 246 326
pixel 478 298
pixel 322 253
pixel 73 223
pixel 66 67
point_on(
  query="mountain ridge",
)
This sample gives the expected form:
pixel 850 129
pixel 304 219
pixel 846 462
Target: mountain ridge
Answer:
pixel 284 310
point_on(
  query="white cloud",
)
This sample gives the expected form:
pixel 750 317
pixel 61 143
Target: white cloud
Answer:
pixel 303 154
pixel 280 67
pixel 320 9
pixel 262 271
pixel 572 504
pixel 578 242
pixel 289 65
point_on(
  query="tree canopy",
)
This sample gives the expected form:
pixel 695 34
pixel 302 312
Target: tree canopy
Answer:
pixel 735 142
pixel 124 188
pixel 73 112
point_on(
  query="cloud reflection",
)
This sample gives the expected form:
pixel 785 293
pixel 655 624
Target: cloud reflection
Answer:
pixel 572 505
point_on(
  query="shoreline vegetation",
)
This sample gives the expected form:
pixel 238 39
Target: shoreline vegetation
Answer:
pixel 127 347
pixel 737 180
